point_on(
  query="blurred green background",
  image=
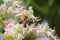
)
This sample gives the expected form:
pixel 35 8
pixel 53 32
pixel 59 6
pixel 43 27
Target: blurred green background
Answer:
pixel 46 9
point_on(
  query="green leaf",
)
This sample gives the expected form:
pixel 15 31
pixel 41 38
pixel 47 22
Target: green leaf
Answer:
pixel 28 36
pixel 26 3
pixel 1 2
pixel 0 24
pixel 2 30
pixel 8 16
pixel 18 18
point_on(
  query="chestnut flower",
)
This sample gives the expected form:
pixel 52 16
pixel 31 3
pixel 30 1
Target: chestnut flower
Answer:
pixel 19 11
pixel 9 27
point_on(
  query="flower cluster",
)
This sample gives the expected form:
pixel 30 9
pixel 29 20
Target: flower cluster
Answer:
pixel 19 22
